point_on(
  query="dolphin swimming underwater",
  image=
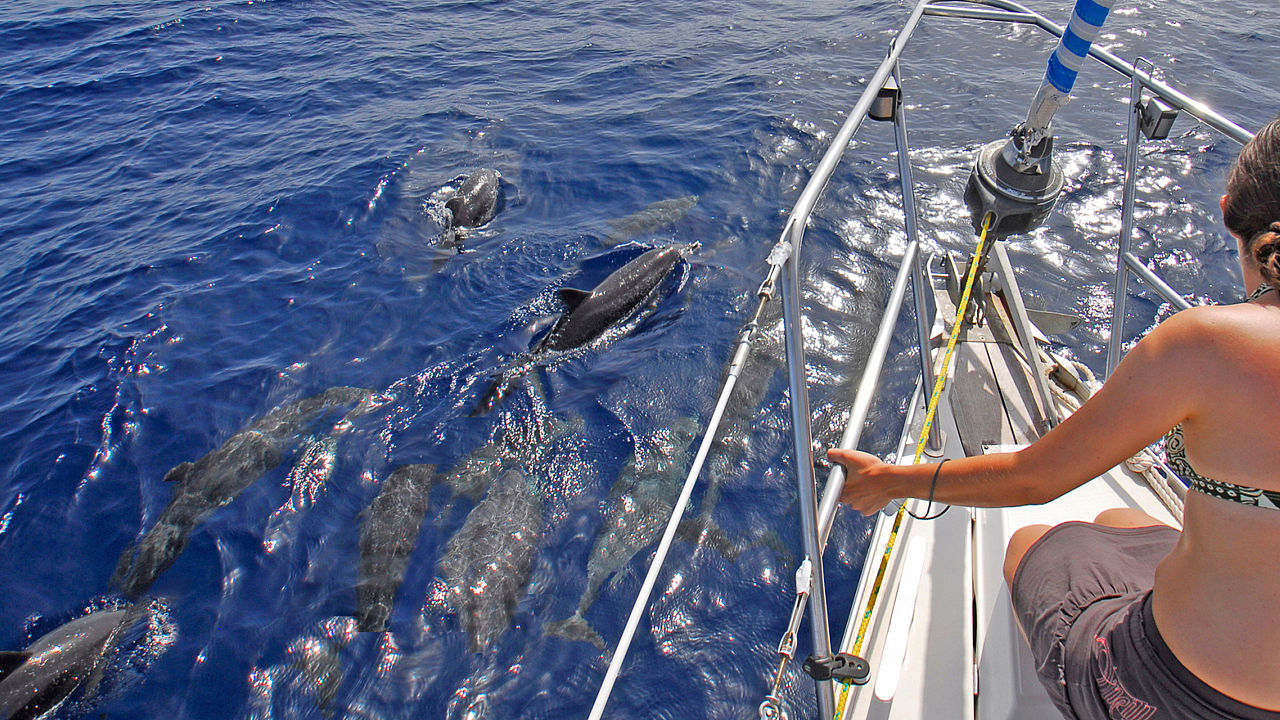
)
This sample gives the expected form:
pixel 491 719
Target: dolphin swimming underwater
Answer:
pixel 37 679
pixel 487 564
pixel 316 659
pixel 307 678
pixel 739 425
pixel 392 522
pixel 219 477
pixel 655 216
pixel 388 536
pixel 641 501
pixel 589 313
pixel 636 512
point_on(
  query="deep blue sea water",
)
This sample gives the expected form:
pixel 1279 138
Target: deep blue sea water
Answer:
pixel 215 209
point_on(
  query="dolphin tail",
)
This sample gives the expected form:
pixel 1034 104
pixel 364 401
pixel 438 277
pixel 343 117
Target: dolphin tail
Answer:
pixel 446 250
pixel 774 542
pixel 500 388
pixel 124 564
pixel 576 629
pixel 141 563
pixel 448 243
pixel 372 615
pixel 702 531
pixel 128 574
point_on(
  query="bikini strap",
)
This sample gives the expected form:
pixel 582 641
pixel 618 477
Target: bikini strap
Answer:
pixel 1263 289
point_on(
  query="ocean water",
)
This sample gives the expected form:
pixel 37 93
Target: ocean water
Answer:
pixel 216 209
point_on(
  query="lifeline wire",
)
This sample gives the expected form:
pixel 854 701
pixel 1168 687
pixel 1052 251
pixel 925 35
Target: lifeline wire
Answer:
pixel 660 555
pixel 924 438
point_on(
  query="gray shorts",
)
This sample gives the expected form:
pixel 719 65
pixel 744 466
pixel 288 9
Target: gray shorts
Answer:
pixel 1083 596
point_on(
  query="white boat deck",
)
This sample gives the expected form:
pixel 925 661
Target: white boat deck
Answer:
pixel 961 652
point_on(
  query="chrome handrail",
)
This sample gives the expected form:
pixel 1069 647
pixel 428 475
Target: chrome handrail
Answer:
pixel 1126 262
pixel 1015 13
pixel 817 521
pixel 791 242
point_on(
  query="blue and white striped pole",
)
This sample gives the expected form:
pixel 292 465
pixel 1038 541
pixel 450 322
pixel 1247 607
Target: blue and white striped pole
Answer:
pixel 1015 182
pixel 1064 63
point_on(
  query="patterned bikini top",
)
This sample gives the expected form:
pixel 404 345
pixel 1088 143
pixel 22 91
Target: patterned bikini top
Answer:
pixel 1175 451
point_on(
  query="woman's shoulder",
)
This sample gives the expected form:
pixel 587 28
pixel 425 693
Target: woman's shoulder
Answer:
pixel 1189 330
pixel 1243 321
pixel 1210 338
pixel 1207 338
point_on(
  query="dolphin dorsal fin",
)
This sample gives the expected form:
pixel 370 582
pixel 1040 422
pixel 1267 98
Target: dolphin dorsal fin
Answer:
pixel 11 660
pixel 179 472
pixel 573 297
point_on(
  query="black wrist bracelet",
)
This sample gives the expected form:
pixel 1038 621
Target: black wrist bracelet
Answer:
pixel 933 485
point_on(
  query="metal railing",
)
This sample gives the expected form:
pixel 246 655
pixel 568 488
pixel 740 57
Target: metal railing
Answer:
pixel 817 518
pixel 1126 262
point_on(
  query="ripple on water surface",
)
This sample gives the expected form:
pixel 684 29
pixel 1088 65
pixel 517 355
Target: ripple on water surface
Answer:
pixel 216 210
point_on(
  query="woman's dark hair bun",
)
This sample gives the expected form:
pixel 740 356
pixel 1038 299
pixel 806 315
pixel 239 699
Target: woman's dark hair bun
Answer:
pixel 1252 206
pixel 1266 250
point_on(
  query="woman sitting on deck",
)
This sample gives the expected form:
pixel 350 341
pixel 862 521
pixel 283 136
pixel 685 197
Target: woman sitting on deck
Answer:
pixel 1128 618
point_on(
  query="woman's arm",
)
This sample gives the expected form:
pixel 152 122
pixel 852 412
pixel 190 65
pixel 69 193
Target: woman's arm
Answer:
pixel 1159 384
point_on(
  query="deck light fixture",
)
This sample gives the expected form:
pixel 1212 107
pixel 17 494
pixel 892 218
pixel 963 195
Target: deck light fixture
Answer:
pixel 1155 117
pixel 888 100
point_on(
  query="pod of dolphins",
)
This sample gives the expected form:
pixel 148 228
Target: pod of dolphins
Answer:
pixel 485 565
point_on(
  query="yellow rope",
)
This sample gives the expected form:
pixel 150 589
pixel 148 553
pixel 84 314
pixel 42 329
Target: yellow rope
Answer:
pixel 924 438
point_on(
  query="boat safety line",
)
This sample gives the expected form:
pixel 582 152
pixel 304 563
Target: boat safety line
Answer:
pixel 743 351
pixel 924 439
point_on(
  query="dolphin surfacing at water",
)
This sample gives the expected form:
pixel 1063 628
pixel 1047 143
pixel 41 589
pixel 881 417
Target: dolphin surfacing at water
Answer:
pixel 37 679
pixel 487 564
pixel 476 199
pixel 470 205
pixel 388 536
pixel 589 313
pixel 219 477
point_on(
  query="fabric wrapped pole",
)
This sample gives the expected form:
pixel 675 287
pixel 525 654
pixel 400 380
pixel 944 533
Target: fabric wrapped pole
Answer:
pixel 1064 63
